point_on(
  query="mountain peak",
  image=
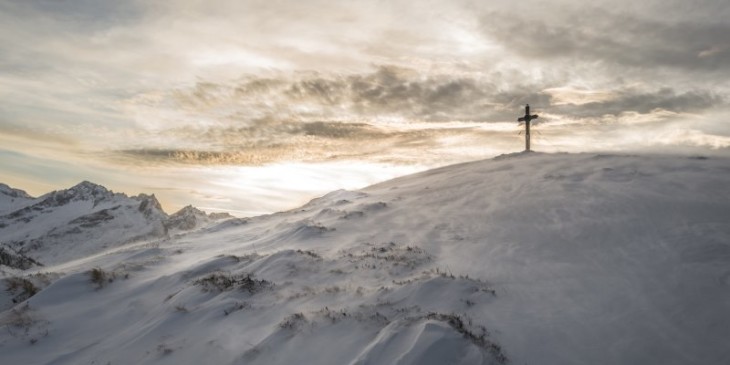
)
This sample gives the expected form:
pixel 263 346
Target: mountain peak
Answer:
pixel 87 183
pixel 89 187
pixel 187 210
pixel 187 218
pixel 149 205
pixel 84 190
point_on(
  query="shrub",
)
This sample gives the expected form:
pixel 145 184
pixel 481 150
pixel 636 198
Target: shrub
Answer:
pixel 224 282
pixel 478 336
pixel 101 277
pixel 236 307
pixel 164 349
pixel 309 253
pixel 22 322
pixel 292 321
pixel 21 288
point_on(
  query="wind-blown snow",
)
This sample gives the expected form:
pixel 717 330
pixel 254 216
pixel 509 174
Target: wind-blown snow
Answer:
pixel 526 259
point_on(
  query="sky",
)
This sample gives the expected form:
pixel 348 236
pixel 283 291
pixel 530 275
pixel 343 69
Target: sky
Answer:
pixel 254 107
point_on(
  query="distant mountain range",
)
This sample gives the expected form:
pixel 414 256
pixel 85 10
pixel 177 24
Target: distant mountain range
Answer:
pixel 82 220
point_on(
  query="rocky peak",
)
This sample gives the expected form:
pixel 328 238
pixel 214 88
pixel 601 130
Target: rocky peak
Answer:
pixel 187 211
pixel 149 205
pixel 88 187
pixel 219 216
pixel 83 191
pixel 187 218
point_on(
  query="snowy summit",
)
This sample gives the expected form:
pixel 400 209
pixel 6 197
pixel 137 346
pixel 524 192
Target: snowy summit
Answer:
pixel 523 259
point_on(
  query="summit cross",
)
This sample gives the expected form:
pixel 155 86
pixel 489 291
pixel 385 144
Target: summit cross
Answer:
pixel 527 118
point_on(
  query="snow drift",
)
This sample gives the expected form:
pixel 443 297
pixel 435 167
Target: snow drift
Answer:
pixel 526 258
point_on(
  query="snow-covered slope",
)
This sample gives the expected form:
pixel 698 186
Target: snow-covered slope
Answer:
pixel 526 259
pixel 12 199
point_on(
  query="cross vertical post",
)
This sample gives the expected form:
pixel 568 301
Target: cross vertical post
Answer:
pixel 527 135
pixel 527 118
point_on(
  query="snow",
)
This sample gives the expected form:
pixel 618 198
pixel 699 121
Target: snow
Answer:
pixel 527 258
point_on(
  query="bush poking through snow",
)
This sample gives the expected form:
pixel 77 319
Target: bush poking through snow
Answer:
pixel 163 349
pixel 478 336
pixel 309 253
pixel 22 322
pixel 249 257
pixel 101 277
pixel 334 316
pixel 293 321
pixel 389 255
pixel 333 289
pixel 20 288
pixel 224 282
pixel 236 307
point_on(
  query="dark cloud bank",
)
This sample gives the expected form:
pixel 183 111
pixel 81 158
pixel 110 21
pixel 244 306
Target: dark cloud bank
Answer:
pixel 595 34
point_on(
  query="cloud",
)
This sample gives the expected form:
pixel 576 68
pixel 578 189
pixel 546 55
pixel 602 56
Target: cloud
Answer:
pixel 272 141
pixel 389 113
pixel 387 90
pixel 595 33
pixel 390 93
pixel 621 101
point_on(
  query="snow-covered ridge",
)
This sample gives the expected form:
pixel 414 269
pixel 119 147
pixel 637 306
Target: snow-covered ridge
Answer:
pixel 85 219
pixel 524 259
pixel 13 193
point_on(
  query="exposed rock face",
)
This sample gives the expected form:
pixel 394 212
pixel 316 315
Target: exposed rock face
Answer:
pixel 16 260
pixel 149 205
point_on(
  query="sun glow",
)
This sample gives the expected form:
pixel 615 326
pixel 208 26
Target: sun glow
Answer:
pixel 265 189
pixel 239 57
